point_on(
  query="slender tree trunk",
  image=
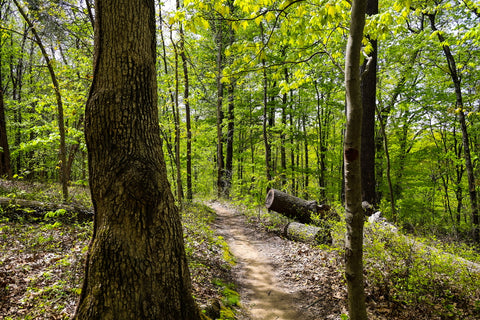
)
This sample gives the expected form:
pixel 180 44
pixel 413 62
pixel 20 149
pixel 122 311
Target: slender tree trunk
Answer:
pixel 266 142
pixel 459 170
pixel 188 122
pixel 292 158
pixel 136 265
pixel 283 136
pixel 389 176
pixel 463 126
pixel 305 149
pixel 321 146
pixel 56 86
pixel 220 114
pixel 369 100
pixel 230 118
pixel 229 140
pixel 5 167
pixel 16 76
pixel 352 153
pixel 90 12
pixel 176 117
pixel 167 135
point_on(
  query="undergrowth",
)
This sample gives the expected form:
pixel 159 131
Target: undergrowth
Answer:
pixel 409 277
pixel 41 260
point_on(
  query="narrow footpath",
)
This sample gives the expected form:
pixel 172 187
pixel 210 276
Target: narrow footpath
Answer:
pixel 278 279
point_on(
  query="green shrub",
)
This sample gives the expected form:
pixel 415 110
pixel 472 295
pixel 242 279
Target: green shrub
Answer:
pixel 408 271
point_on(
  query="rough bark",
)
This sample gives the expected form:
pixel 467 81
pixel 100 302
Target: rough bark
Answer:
pixel 136 265
pixel 353 184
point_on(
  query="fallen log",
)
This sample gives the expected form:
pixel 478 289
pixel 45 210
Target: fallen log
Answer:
pixel 31 210
pixel 307 233
pixel 296 208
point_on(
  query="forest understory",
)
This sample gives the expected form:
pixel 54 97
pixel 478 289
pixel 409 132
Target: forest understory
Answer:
pixel 242 268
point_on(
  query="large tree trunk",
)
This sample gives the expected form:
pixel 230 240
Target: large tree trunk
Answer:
pixel 136 265
pixel 352 152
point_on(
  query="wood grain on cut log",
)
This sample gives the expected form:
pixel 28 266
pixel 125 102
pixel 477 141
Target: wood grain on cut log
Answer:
pixel 290 206
pixel 307 233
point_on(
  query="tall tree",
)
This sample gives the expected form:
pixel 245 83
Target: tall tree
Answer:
pixel 369 97
pixel 352 149
pixel 186 98
pixel 136 265
pixel 58 96
pixel 456 79
pixel 5 167
pixel 218 28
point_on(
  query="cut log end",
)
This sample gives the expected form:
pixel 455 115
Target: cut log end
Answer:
pixel 290 206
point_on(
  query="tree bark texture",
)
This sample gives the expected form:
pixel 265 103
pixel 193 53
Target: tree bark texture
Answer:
pixel 353 184
pixel 291 206
pixel 136 265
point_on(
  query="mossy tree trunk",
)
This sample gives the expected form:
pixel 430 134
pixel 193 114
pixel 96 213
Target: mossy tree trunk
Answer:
pixel 136 266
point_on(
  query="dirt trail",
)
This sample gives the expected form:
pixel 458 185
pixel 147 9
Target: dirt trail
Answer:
pixel 264 295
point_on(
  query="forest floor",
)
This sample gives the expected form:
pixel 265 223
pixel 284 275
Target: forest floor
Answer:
pixel 233 251
pixel 278 278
